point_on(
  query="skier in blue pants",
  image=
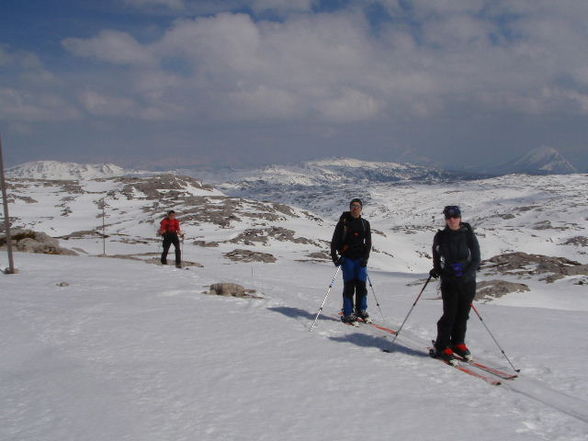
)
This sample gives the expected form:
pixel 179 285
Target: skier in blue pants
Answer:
pixel 350 248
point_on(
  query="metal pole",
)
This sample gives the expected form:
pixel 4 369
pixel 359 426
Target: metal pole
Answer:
pixel 103 226
pixel 412 307
pixel 491 335
pixel 325 299
pixel 377 302
pixel 10 269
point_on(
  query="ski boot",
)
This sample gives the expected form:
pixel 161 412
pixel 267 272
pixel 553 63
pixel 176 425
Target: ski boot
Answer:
pixel 363 316
pixel 462 351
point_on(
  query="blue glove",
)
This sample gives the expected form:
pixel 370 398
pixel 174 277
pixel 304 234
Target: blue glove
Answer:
pixel 458 269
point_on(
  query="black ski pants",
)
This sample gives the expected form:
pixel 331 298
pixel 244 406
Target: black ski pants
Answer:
pixel 457 302
pixel 168 239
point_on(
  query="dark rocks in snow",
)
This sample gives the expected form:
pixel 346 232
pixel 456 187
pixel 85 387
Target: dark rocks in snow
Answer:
pixel 230 290
pixel 492 289
pixel 30 241
pixel 241 255
pixel 263 235
pixel 523 264
pixel 581 241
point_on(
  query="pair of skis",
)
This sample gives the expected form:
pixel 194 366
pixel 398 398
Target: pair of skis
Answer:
pixel 489 374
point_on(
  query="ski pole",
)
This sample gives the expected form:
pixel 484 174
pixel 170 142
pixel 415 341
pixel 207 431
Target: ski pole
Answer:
pixel 491 335
pixel 377 303
pixel 411 308
pixel 325 299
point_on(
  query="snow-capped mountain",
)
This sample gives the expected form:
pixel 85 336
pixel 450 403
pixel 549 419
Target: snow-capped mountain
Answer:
pixel 540 161
pixel 56 170
pixel 292 215
pixel 334 171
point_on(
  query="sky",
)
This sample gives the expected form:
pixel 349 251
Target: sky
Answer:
pixel 169 83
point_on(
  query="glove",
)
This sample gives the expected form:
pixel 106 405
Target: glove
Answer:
pixel 337 260
pixel 434 274
pixel 458 269
pixel 363 263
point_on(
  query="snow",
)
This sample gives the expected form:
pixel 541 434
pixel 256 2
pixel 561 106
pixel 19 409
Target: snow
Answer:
pixel 137 352
pixel 66 170
pixel 130 350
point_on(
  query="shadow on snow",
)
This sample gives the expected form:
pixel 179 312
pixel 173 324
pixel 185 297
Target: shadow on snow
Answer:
pixel 382 343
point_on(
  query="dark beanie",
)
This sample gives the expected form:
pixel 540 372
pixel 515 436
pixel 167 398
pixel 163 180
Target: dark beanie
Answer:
pixel 356 200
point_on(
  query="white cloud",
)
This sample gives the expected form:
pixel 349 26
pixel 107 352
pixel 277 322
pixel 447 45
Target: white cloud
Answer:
pixel 24 105
pixel 111 46
pixel 334 68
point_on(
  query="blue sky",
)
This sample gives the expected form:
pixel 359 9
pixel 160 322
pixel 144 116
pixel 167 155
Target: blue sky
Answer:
pixel 165 83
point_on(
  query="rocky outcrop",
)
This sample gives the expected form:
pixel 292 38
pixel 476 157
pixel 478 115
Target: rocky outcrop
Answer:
pixel 230 290
pixel 240 255
pixel 523 264
pixel 30 241
pixel 493 289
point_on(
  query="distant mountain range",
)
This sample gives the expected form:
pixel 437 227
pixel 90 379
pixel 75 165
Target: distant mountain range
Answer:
pixel 56 170
pixel 539 161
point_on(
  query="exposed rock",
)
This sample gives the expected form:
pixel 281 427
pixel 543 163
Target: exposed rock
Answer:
pixel 63 284
pixel 240 255
pixel 30 241
pixel 321 255
pixel 493 289
pixel 520 264
pixel 230 289
pixel 581 241
pixel 164 186
pixel 262 235
pixel 203 243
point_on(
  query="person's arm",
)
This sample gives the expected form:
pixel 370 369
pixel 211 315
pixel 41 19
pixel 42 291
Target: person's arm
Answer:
pixel 475 253
pixel 436 257
pixel 368 242
pixel 336 242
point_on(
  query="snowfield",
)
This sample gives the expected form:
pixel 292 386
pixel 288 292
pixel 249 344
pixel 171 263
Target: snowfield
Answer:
pixel 131 351
pixel 121 348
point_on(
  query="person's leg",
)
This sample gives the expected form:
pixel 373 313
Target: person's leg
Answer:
pixel 166 244
pixel 176 243
pixel 447 320
pixel 348 285
pixel 465 297
pixel 361 289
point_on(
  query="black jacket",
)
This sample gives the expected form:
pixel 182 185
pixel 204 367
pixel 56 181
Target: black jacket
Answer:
pixel 352 238
pixel 461 246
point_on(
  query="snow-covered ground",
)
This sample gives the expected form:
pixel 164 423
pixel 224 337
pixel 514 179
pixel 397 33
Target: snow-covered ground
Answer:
pixel 134 351
pixel 131 350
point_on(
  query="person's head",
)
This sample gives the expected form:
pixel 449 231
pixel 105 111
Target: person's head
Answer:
pixel 452 215
pixel 171 214
pixel 355 207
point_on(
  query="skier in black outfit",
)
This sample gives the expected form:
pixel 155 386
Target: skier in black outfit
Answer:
pixel 456 258
pixel 350 248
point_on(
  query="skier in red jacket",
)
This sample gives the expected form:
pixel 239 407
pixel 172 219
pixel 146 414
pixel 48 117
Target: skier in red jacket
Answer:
pixel 170 230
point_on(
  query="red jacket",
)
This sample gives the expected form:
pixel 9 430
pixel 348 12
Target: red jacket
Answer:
pixel 169 226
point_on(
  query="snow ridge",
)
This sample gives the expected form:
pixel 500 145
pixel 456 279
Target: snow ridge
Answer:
pixel 56 170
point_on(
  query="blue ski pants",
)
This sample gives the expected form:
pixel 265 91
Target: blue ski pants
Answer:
pixel 354 278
